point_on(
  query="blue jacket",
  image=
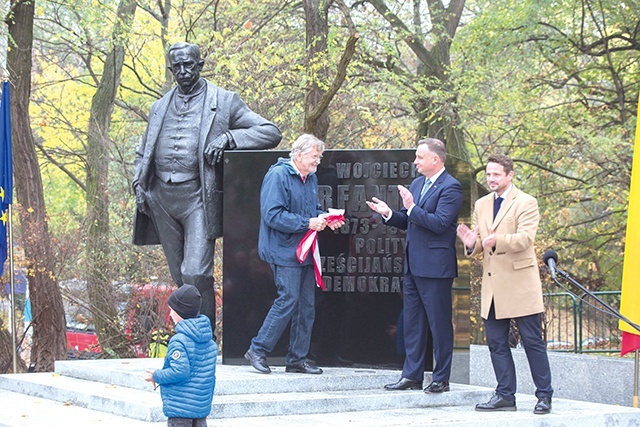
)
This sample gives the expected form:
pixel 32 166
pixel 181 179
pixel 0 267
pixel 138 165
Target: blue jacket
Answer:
pixel 188 377
pixel 431 228
pixel 286 205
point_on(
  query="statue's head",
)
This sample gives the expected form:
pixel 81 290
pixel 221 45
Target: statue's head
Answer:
pixel 185 64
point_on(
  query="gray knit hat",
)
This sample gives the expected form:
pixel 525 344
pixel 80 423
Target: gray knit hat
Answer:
pixel 186 301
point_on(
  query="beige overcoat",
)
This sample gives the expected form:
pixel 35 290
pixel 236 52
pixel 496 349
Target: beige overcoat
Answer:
pixel 510 270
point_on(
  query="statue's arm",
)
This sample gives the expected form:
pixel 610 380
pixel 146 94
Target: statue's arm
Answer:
pixel 248 130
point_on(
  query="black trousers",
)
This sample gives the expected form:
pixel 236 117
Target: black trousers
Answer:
pixel 187 422
pixel 497 332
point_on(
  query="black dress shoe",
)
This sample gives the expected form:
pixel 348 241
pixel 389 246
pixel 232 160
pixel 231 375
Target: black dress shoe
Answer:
pixel 258 362
pixel 437 387
pixel 497 403
pixel 404 384
pixel 543 406
pixel 303 368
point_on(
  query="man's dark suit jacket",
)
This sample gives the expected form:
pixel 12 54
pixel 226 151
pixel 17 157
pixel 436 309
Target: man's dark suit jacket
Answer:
pixel 431 229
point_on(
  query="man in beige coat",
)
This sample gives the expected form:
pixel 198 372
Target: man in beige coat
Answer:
pixel 504 228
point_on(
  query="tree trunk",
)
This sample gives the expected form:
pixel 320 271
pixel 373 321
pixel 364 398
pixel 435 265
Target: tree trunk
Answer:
pixel 436 118
pixel 441 121
pixel 317 29
pixel 316 115
pixel 49 328
pixel 6 353
pixel 445 123
pixel 99 287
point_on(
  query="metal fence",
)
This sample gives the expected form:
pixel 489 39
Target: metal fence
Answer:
pixel 581 324
pixel 571 323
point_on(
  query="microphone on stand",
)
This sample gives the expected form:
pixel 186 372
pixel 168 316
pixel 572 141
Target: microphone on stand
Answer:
pixel 550 258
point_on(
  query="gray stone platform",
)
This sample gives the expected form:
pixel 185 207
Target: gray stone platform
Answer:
pixel 585 377
pixel 113 393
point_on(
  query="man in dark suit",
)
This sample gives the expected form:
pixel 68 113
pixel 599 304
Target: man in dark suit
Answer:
pixel 430 213
pixel 505 225
pixel 178 173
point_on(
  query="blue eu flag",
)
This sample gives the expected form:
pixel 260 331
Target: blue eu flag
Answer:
pixel 6 171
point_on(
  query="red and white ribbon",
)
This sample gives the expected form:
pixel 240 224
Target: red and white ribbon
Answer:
pixel 310 242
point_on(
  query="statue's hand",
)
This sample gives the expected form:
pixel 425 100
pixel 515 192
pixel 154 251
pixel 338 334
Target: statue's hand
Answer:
pixel 141 200
pixel 213 152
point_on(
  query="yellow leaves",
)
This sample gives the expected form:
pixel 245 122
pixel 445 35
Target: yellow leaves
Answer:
pixel 564 213
pixel 218 37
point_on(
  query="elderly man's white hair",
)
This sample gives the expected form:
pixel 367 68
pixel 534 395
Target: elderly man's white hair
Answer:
pixel 304 144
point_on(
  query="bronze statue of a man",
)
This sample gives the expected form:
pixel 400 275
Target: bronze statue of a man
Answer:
pixel 178 169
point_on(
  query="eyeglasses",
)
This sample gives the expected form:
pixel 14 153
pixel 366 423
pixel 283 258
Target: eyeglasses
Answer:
pixel 315 157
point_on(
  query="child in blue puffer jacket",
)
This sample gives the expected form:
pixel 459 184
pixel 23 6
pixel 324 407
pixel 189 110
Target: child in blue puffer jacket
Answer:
pixel 188 377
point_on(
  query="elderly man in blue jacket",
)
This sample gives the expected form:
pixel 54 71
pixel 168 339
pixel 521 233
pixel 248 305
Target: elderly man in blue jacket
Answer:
pixel 289 208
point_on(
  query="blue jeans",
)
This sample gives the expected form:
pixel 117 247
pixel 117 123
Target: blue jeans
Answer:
pixel 295 303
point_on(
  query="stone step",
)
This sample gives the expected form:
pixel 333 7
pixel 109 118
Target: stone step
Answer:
pixel 565 413
pixel 112 399
pixel 231 379
pixel 19 410
pixel 331 402
pixel 279 393
pixel 113 393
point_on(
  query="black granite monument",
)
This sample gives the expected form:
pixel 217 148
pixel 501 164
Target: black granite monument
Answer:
pixel 358 316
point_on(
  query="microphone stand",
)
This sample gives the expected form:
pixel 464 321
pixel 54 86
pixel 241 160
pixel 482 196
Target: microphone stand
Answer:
pixel 611 310
pixel 618 315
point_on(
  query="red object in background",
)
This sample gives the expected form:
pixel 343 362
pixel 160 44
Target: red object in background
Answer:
pixel 82 341
pixel 146 311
